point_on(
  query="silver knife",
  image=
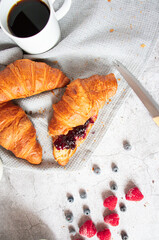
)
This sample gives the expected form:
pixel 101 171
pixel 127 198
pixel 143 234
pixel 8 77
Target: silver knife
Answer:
pixel 140 91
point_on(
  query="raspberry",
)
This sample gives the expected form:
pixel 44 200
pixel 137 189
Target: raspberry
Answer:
pixel 112 219
pixel 134 194
pixel 110 202
pixel 87 229
pixel 104 235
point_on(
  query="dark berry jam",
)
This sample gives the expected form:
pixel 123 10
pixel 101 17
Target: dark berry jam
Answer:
pixel 69 141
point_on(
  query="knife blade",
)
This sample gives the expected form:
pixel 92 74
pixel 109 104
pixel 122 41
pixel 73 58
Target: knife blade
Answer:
pixel 143 95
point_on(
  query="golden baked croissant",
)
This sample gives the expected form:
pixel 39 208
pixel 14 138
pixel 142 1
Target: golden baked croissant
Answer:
pixel 24 78
pixel 75 114
pixel 17 133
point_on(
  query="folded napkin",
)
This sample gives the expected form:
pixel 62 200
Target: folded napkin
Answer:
pixel 94 33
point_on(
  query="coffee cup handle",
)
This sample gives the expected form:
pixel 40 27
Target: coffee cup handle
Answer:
pixel 63 10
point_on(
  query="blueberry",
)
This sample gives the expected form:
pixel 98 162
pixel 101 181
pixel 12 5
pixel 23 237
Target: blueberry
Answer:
pixel 113 186
pixel 124 236
pixel 126 145
pixel 70 199
pixel 69 217
pixel 83 194
pixel 97 170
pixel 72 231
pixel 87 211
pixel 122 208
pixel 115 168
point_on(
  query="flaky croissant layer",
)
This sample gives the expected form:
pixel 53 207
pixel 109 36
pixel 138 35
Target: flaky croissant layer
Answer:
pixel 17 133
pixel 82 99
pixel 24 78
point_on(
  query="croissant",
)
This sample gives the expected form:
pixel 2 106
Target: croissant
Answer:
pixel 24 78
pixel 17 133
pixel 75 114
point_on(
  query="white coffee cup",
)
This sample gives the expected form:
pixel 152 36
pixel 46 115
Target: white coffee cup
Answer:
pixel 46 38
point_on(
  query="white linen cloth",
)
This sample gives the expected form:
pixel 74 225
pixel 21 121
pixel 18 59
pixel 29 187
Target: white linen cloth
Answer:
pixel 88 46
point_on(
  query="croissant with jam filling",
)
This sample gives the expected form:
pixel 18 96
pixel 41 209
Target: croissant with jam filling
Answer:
pixel 75 114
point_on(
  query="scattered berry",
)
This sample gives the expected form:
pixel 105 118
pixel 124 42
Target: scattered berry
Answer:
pixel 110 202
pixel 112 219
pixel 96 170
pixel 70 199
pixel 122 208
pixel 72 231
pixel 134 194
pixel 126 145
pixel 104 235
pixel 83 194
pixel 124 236
pixel 115 168
pixel 113 187
pixel 69 217
pixel 87 229
pixel 87 211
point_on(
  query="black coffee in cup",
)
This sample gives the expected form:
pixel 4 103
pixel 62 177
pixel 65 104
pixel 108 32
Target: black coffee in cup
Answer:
pixel 28 17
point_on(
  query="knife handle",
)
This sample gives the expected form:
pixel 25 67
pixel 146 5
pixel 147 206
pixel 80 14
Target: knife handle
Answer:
pixel 156 120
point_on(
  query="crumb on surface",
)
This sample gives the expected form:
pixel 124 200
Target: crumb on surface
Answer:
pixel 131 26
pixel 55 62
pixel 97 59
pixel 109 100
pixel 111 30
pixel 118 79
pixel 153 181
pixel 140 11
pixel 109 0
pixel 142 45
